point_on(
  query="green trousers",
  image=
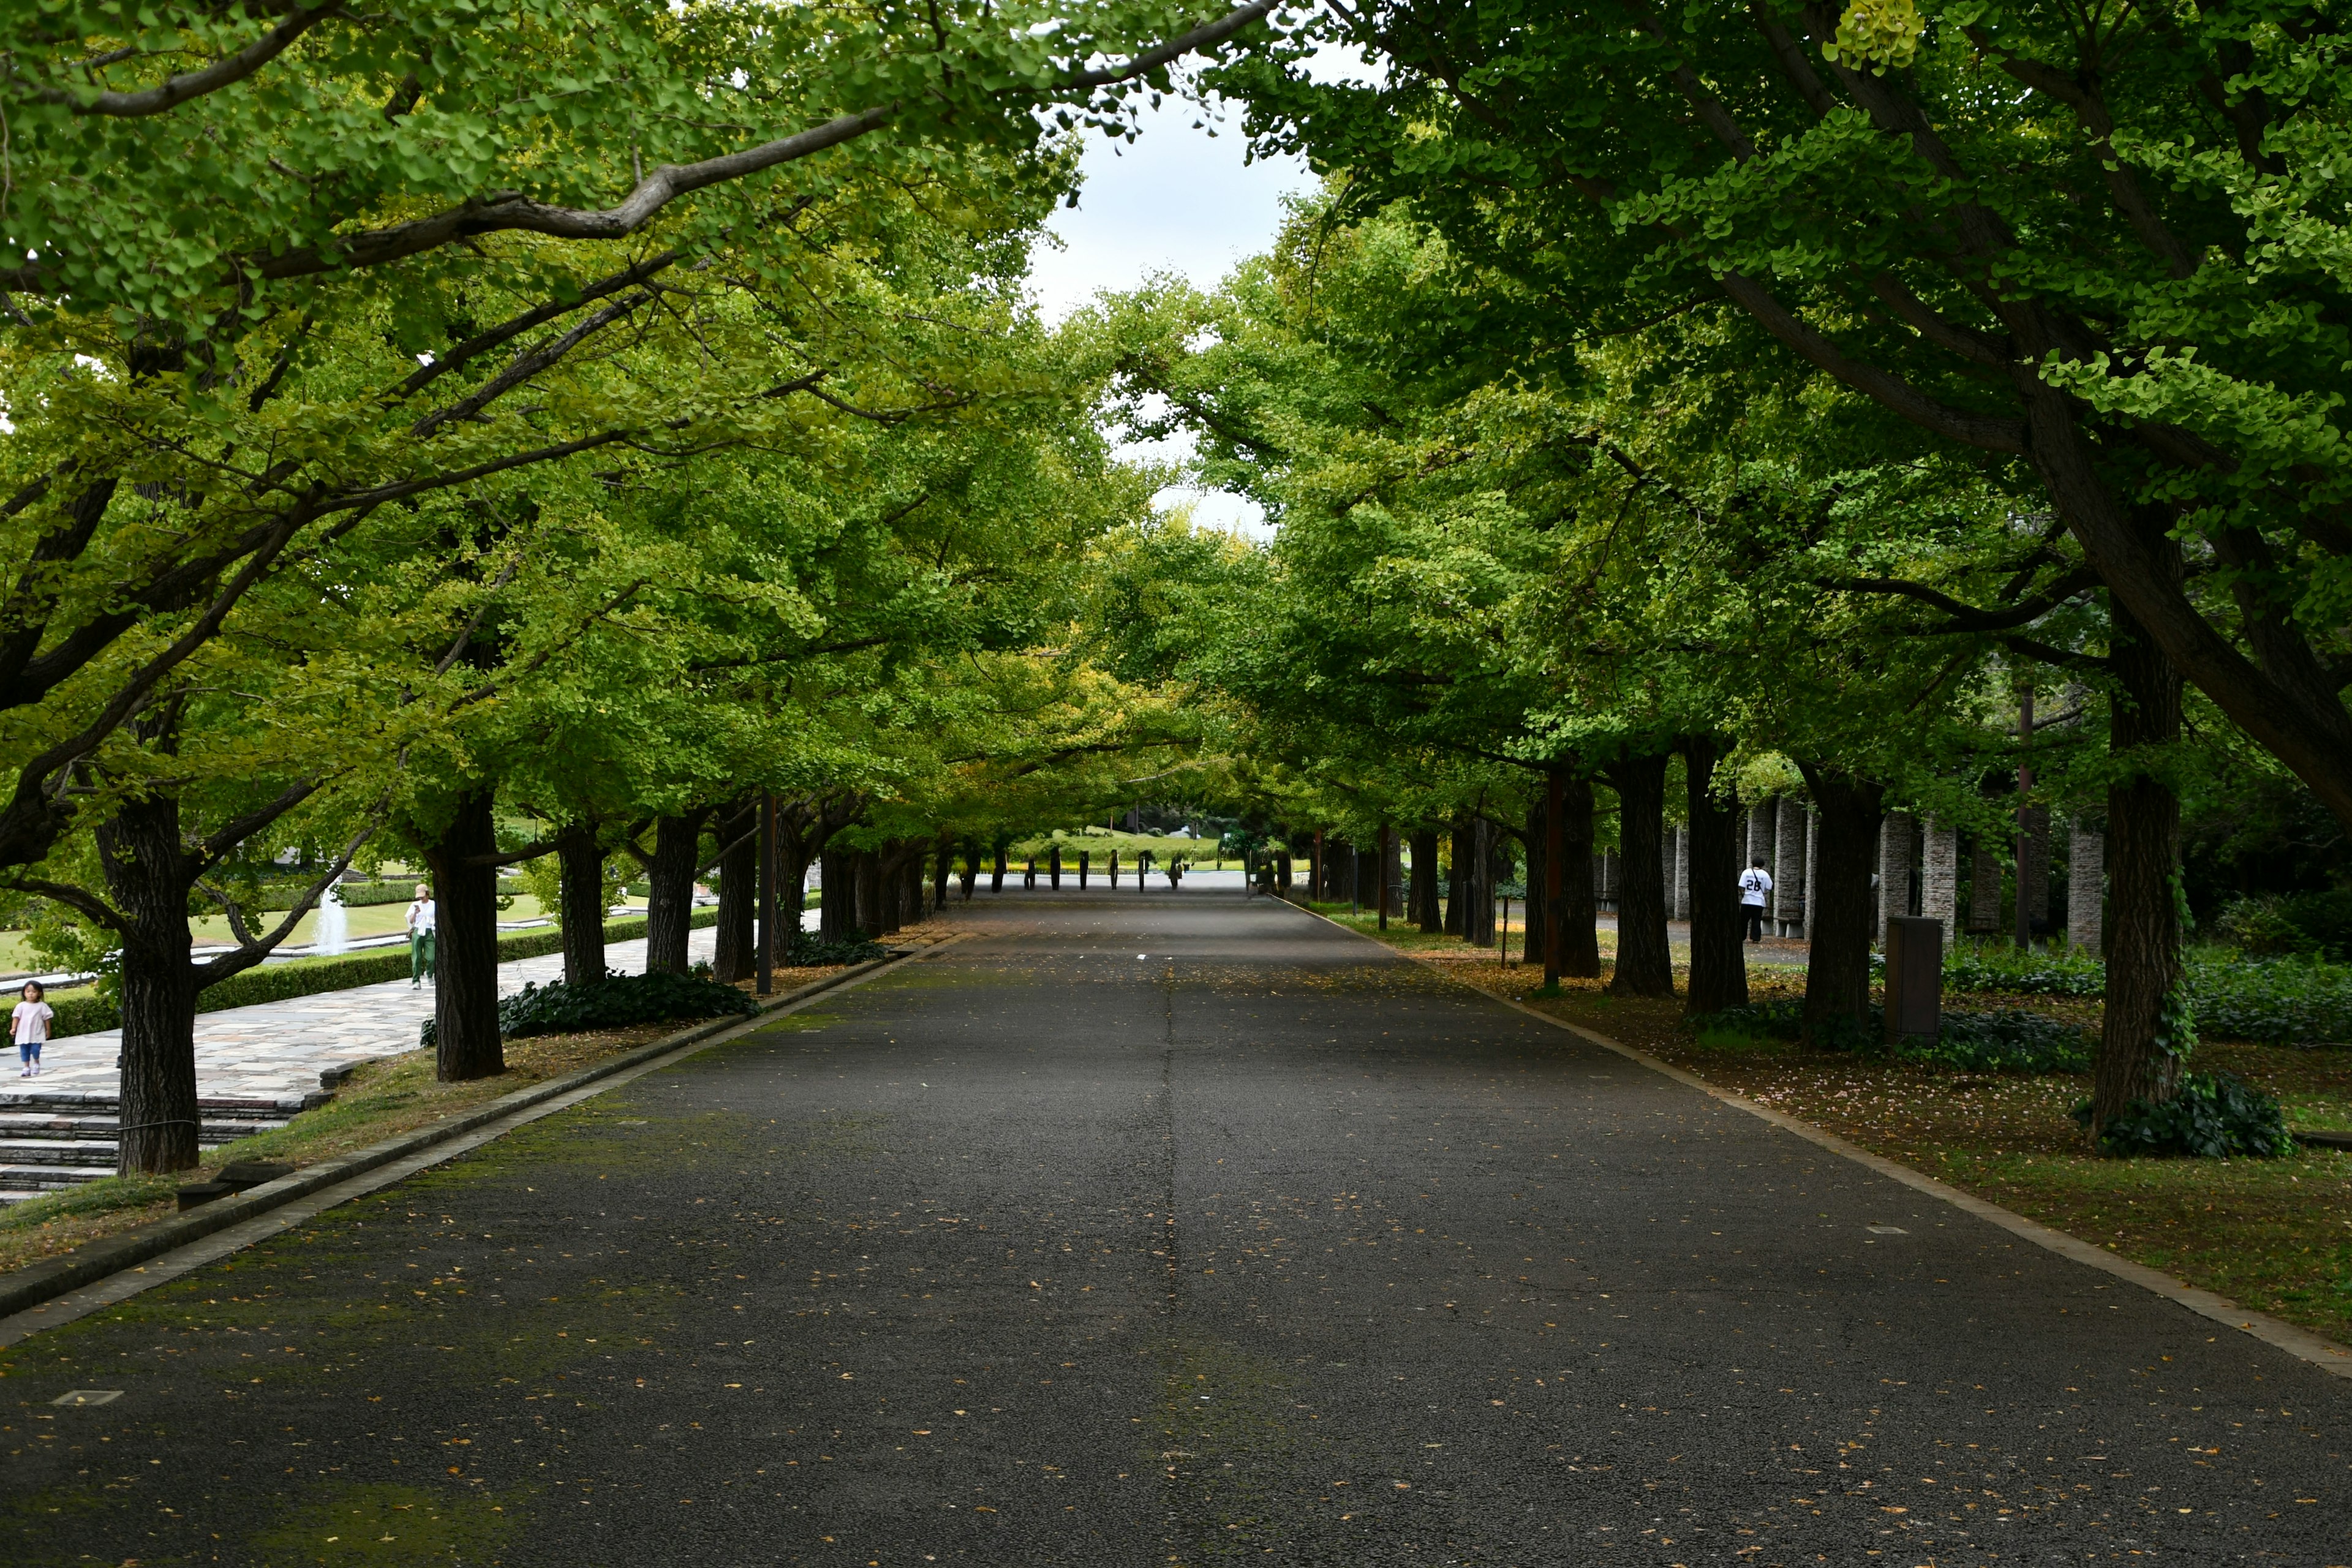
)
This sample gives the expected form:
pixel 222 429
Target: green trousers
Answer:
pixel 420 956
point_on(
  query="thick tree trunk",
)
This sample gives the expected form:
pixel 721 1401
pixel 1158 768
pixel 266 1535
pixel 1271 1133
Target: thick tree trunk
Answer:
pixel 2139 1057
pixel 942 865
pixel 791 872
pixel 1478 884
pixel 1718 971
pixel 1423 902
pixel 971 873
pixel 148 874
pixel 1837 974
pixel 1458 878
pixel 1339 870
pixel 866 868
pixel 837 898
pixel 996 876
pixel 466 943
pixel 580 869
pixel 669 907
pixel 1645 963
pixel 735 952
pixel 1580 911
pixel 1538 926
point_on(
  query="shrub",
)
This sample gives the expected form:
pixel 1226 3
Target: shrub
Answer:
pixel 2275 1001
pixel 2008 1039
pixel 2215 1116
pixel 615 1002
pixel 1989 966
pixel 2279 925
pixel 1744 1025
pixel 2280 1001
pixel 808 952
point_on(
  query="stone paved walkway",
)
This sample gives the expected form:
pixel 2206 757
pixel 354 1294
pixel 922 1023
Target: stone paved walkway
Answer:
pixel 276 1050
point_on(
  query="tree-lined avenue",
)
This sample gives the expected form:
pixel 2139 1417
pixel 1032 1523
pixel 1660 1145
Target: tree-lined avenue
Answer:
pixel 1162 1228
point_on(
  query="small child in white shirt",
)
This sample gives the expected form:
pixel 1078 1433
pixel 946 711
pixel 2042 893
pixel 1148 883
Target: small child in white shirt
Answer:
pixel 30 1024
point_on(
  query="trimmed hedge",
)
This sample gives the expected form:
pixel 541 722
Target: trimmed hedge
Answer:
pixel 87 1013
pixel 615 1002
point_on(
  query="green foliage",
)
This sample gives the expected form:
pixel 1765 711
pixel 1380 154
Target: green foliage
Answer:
pixel 2004 1041
pixel 2007 1040
pixel 2275 1001
pixel 2290 924
pixel 615 1002
pixel 2046 972
pixel 809 951
pixel 84 1013
pixel 2213 1117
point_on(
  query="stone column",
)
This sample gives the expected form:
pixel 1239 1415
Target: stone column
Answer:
pixel 1939 878
pixel 2086 877
pixel 1788 868
pixel 1984 887
pixel 1682 873
pixel 2034 871
pixel 1610 867
pixel 1763 829
pixel 1894 836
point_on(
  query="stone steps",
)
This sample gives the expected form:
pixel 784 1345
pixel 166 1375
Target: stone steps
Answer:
pixel 60 1139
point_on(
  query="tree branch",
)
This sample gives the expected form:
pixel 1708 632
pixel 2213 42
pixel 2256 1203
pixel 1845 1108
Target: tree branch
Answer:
pixel 169 95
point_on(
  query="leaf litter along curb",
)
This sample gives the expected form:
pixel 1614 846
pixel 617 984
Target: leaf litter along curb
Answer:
pixel 2271 1234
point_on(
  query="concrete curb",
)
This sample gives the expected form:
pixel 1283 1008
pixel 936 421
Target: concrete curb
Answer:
pixel 2300 1343
pixel 29 1287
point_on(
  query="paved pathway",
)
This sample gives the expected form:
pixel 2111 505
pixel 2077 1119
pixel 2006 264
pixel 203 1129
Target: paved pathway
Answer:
pixel 1163 1231
pixel 276 1050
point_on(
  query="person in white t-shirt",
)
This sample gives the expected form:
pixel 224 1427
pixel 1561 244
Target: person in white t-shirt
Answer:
pixel 1755 887
pixel 421 921
pixel 30 1024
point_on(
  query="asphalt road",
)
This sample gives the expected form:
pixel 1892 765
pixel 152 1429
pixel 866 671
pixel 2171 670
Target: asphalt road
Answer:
pixel 1160 1230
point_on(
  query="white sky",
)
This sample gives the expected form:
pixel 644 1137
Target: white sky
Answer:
pixel 1175 200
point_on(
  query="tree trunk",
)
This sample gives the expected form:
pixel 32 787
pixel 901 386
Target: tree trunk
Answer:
pixel 837 899
pixel 996 876
pixel 1837 972
pixel 791 872
pixel 1645 963
pixel 669 907
pixel 580 866
pixel 2140 1055
pixel 1718 970
pixel 1539 906
pixel 866 870
pixel 1458 878
pixel 1580 911
pixel 736 954
pixel 466 943
pixel 1478 885
pixel 147 871
pixel 942 867
pixel 971 868
pixel 1422 901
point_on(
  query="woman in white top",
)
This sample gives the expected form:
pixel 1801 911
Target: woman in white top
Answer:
pixel 1755 887
pixel 30 1024
pixel 420 936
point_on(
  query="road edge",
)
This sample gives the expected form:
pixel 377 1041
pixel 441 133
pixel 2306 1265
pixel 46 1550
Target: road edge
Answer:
pixel 2301 1343
pixel 28 1288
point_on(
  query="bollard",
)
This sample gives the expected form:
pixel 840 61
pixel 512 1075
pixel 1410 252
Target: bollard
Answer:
pixel 1915 977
